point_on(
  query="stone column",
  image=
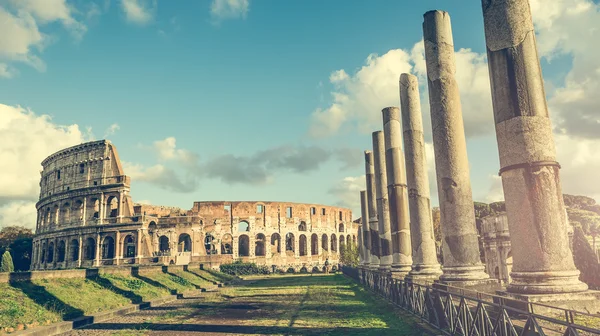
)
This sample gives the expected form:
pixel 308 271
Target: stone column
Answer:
pixel 542 259
pixel 425 264
pixel 373 226
pixel 460 243
pixel 397 193
pixel 364 214
pixel 383 213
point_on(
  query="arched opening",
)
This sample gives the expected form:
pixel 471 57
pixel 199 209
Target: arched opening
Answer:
pixel 209 244
pixel 112 207
pixel 95 208
pixel 341 227
pixel 129 247
pixel 60 253
pixel 65 214
pixel 342 242
pixel 152 226
pixel 302 243
pixel 78 210
pixel 43 253
pixel 289 242
pixel 243 246
pixel 275 243
pixel 302 226
pixel 259 249
pixel 325 242
pixel 314 244
pixel 163 244
pixel 227 244
pixel 74 247
pixel 51 252
pixel 185 243
pixel 334 244
pixel 108 248
pixel 243 226
pixel 348 240
pixel 354 240
pixel 90 249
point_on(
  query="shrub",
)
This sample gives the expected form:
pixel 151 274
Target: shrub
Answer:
pixel 7 263
pixel 242 268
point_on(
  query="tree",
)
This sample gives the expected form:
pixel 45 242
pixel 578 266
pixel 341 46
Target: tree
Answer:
pixel 349 255
pixel 7 263
pixel 17 240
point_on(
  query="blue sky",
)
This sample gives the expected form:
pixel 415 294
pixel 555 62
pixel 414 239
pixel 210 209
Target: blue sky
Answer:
pixel 221 88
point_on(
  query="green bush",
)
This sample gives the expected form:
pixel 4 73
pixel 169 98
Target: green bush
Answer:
pixel 7 263
pixel 242 268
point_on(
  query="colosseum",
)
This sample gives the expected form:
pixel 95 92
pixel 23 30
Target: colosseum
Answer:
pixel 86 218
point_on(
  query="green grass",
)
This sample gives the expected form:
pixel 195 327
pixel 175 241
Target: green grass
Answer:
pixel 17 308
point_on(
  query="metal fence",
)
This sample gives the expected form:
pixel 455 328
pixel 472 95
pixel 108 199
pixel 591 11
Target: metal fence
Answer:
pixel 456 311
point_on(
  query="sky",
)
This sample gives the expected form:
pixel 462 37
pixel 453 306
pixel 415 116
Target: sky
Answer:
pixel 263 99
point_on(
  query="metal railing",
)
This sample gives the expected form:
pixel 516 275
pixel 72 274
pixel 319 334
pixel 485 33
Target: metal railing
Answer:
pixel 456 311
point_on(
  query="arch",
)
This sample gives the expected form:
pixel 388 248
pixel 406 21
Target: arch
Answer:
pixel 334 244
pixel 90 249
pixel 289 242
pixel 341 242
pixel 95 208
pixel 65 213
pixel 51 252
pixel 152 225
pixel 303 248
pixel 354 240
pixel 74 247
pixel 302 226
pixel 163 244
pixel 348 240
pixel 78 209
pixel 227 244
pixel 129 247
pixel 209 244
pixel 244 246
pixel 259 245
pixel 325 242
pixel 243 226
pixel 314 244
pixel 112 206
pixel 43 252
pixel 341 227
pixel 275 243
pixel 108 248
pixel 185 243
pixel 60 251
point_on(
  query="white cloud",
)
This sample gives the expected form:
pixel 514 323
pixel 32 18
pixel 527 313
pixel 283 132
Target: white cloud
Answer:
pixel 139 11
pixel 46 11
pixel 229 9
pixel 347 192
pixel 18 213
pixel 112 129
pixel 166 150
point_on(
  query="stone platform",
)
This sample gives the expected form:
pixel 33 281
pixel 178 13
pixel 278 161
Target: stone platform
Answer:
pixel 586 302
pixel 489 286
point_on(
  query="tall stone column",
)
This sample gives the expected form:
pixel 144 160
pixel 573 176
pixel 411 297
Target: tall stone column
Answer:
pixel 397 193
pixel 425 264
pixel 372 210
pixel 383 213
pixel 460 242
pixel 364 214
pixel 542 259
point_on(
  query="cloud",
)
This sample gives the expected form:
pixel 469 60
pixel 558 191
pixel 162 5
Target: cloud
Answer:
pixel 112 129
pixel 347 192
pixel 47 11
pixel 229 9
pixel 162 177
pixel 166 151
pixel 18 213
pixel 357 99
pixel 139 12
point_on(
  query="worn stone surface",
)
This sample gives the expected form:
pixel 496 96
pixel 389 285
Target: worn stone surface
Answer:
pixel 542 260
pixel 397 193
pixel 425 265
pixel 372 210
pixel 383 211
pixel 364 216
pixel 460 243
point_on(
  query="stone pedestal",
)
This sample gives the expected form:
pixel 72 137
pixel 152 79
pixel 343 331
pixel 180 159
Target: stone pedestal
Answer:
pixel 425 266
pixel 383 213
pixel 460 239
pixel 397 193
pixel 587 301
pixel 372 211
pixel 542 260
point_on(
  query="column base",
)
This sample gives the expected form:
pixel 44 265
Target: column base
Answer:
pixel 424 274
pixel 586 301
pixel 553 282
pixel 400 271
pixel 463 273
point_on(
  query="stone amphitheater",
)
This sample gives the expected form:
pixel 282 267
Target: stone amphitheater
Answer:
pixel 87 218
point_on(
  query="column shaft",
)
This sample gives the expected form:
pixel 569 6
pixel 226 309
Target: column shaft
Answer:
pixel 372 210
pixel 542 260
pixel 460 243
pixel 425 264
pixel 364 213
pixel 397 193
pixel 383 213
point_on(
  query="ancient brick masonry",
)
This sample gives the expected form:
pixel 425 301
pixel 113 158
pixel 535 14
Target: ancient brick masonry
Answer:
pixel 86 218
